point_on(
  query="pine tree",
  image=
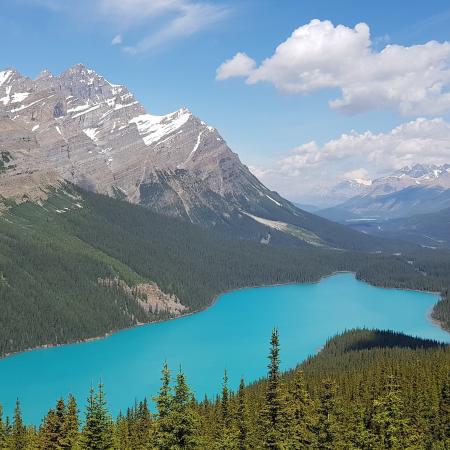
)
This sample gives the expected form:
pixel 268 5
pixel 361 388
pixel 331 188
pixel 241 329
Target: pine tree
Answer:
pixel 143 426
pixel 329 430
pixel 32 439
pixel 49 432
pixel 227 432
pixel 3 433
pixel 60 421
pixel 97 431
pixel 18 438
pixel 301 416
pixel 163 432
pixel 273 412
pixel 164 399
pixel 71 426
pixel 391 425
pixel 242 419
pixel 358 436
pixel 443 419
pixel 185 419
pixel 121 434
pixel 225 400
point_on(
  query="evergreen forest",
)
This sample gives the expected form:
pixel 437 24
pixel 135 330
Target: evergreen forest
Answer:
pixel 366 389
pixel 52 256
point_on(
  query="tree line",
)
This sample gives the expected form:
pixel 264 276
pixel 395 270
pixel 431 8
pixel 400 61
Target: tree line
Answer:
pixel 365 390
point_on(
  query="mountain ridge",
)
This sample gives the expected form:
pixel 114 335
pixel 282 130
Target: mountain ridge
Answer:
pixel 416 189
pixel 78 127
pixel 425 175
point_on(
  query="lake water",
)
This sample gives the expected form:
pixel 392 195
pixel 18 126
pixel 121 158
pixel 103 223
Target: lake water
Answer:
pixel 233 334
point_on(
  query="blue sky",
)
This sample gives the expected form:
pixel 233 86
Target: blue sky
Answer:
pixel 171 49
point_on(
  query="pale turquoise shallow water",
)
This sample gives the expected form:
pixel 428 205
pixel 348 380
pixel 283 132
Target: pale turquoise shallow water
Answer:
pixel 233 334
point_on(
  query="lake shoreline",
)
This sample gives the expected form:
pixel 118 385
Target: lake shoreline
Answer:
pixel 429 316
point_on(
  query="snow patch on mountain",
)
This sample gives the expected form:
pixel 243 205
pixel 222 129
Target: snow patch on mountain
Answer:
pixel 4 76
pixel 153 128
pixel 197 144
pixel 91 133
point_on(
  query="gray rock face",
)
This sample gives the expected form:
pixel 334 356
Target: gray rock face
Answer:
pixel 81 128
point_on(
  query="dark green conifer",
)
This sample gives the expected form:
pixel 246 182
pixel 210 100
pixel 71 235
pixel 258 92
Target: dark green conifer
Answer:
pixel 70 426
pixel 121 434
pixel 163 429
pixel 273 411
pixel 392 426
pixel 301 416
pixel 243 426
pixel 165 398
pixel 49 432
pixel 443 419
pixel 18 439
pixel 3 433
pixel 97 431
pixel 184 416
pixel 329 429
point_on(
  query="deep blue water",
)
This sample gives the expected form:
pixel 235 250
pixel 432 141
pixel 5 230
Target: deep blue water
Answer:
pixel 233 334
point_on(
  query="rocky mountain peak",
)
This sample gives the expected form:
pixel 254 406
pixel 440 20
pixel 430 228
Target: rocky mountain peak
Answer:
pixel 78 127
pixel 96 134
pixel 45 74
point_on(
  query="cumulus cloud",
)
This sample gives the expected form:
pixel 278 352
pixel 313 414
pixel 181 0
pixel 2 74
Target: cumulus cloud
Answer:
pixel 312 168
pixel 240 65
pixel 319 55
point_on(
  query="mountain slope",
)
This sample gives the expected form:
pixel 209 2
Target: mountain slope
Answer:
pixel 82 264
pixel 429 230
pixel 406 202
pixel 79 127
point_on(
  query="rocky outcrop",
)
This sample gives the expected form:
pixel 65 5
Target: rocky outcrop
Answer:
pixel 148 296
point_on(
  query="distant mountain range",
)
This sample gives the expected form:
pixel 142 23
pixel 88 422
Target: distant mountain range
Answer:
pixel 419 189
pixel 78 127
pixel 428 230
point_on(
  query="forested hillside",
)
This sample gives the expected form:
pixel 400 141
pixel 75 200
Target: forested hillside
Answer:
pixel 430 230
pixel 365 390
pixel 72 268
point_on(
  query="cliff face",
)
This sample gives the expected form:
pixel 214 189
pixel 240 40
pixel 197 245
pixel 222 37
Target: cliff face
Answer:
pixel 79 127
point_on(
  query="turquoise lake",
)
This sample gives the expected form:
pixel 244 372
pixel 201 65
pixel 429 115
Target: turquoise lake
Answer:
pixel 233 334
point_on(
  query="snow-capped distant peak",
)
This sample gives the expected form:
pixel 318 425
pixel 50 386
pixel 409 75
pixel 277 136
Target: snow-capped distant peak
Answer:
pixel 363 181
pixel 45 74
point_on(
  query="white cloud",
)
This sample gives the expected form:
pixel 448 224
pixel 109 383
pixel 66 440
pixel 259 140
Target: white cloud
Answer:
pixel 312 168
pixel 190 18
pixel 240 65
pixel 117 39
pixel 412 80
pixel 155 22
